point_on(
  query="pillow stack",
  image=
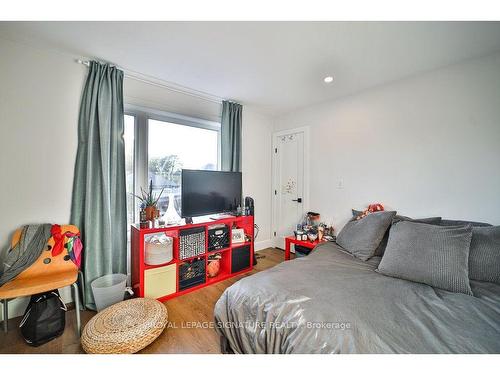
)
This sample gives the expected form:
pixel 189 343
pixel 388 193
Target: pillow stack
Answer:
pixel 367 237
pixel 444 254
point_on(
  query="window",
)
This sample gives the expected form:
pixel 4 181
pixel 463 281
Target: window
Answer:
pixel 158 145
pixel 172 147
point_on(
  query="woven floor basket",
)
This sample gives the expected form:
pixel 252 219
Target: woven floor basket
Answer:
pixel 125 327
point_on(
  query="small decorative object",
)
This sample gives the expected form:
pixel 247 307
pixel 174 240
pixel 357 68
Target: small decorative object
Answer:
pixel 289 187
pixel 321 231
pixel 171 217
pixel 238 235
pixel 304 237
pixel 329 231
pixel 375 207
pixel 313 218
pixel 312 235
pixel 143 222
pixel 213 266
pixel 149 200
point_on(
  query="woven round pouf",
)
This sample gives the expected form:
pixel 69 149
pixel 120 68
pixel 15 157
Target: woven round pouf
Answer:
pixel 125 327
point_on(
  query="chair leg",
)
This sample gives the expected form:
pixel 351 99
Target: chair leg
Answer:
pixel 5 315
pixel 77 309
pixel 82 288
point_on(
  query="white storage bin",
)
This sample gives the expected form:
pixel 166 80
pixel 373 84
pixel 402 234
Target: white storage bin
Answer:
pixel 158 249
pixel 108 290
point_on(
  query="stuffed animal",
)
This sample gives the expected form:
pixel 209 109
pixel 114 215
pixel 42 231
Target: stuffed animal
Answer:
pixel 371 208
pixel 213 266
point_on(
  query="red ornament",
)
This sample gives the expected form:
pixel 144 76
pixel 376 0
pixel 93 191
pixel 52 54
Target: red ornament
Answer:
pixel 375 207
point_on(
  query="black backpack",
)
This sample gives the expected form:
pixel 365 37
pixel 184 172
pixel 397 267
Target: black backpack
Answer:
pixel 44 318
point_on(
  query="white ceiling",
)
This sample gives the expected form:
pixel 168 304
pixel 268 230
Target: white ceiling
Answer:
pixel 276 66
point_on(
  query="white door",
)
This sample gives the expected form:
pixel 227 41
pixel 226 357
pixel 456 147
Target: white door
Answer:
pixel 288 184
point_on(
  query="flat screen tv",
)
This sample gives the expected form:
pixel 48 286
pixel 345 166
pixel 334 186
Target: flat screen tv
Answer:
pixel 209 192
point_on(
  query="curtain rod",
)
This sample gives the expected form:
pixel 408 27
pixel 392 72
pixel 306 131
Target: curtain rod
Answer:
pixel 162 84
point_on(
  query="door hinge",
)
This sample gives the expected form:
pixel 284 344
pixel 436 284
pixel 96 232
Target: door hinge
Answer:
pixel 275 150
pixel 275 192
pixel 274 234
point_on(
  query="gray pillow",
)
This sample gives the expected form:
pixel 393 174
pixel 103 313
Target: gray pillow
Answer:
pixel 429 254
pixel 484 256
pixel 383 244
pixel 361 237
pixel 435 220
pixel 450 223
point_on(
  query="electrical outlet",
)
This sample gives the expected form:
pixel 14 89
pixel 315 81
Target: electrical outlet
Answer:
pixel 340 184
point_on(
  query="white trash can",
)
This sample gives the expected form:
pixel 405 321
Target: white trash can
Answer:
pixel 108 290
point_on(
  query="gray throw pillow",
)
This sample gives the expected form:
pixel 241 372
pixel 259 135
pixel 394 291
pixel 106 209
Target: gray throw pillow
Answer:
pixel 484 256
pixel 383 244
pixel 361 237
pixel 450 223
pixel 429 254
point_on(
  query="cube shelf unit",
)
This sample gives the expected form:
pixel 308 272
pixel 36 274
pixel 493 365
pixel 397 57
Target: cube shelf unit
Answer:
pixel 162 281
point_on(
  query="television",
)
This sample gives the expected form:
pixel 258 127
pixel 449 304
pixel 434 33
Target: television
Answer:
pixel 209 192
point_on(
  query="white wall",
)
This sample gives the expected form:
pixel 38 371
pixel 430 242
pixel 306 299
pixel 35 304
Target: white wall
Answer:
pixel 39 101
pixel 424 146
pixel 256 166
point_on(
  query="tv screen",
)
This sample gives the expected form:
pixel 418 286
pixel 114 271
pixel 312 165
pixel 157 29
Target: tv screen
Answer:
pixel 209 192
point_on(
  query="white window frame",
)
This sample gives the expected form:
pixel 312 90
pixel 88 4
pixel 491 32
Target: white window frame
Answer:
pixel 142 115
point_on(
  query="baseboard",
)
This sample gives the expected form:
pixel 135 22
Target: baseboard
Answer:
pixel 260 245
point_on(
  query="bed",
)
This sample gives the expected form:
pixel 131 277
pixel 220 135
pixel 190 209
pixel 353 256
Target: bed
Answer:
pixel 331 302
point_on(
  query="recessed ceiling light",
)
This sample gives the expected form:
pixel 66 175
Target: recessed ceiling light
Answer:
pixel 328 79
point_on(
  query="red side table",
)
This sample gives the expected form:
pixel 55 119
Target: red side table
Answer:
pixel 291 239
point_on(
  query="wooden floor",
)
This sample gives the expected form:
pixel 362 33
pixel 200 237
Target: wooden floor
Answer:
pixel 189 316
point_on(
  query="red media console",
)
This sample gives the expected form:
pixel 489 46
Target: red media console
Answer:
pixel 187 272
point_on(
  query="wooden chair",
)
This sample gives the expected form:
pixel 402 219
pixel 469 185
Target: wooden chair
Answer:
pixel 47 273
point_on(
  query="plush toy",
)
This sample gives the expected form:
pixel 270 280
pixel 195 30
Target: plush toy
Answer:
pixel 371 208
pixel 213 266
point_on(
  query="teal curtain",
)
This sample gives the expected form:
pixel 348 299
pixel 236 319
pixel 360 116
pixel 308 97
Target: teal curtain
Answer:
pixel 231 136
pixel 99 196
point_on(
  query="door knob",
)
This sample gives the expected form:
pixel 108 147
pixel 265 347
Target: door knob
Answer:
pixel 298 200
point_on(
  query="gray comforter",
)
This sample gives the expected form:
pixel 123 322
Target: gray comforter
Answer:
pixel 330 302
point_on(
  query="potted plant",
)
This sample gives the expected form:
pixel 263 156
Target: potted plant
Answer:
pixel 149 200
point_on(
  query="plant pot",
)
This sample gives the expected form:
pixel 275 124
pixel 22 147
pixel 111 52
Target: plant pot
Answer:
pixel 150 212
